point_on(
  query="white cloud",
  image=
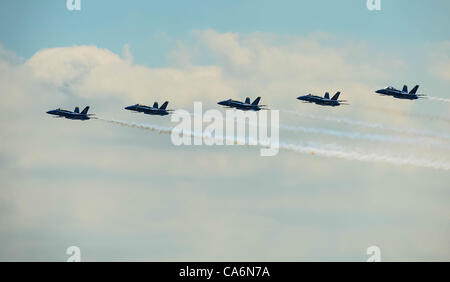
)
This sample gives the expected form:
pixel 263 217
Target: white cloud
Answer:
pixel 439 64
pixel 64 181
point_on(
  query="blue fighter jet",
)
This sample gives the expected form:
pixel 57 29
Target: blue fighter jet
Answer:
pixel 60 113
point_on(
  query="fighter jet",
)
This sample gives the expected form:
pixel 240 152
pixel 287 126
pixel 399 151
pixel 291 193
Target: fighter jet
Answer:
pixel 403 94
pixel 325 101
pixel 245 106
pixel 161 111
pixel 60 113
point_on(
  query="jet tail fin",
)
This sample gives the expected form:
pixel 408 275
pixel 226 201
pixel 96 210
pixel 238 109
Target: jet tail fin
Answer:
pixel 85 110
pixel 256 102
pixel 247 100
pixel 405 88
pixel 336 96
pixel 327 95
pixel 155 105
pixel 164 106
pixel 77 110
pixel 414 90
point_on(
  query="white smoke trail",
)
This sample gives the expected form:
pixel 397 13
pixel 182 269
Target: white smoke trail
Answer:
pixel 366 136
pixel 403 130
pixel 336 153
pixel 438 99
pixel 159 129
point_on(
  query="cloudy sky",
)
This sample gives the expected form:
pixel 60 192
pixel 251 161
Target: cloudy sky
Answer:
pixel 377 171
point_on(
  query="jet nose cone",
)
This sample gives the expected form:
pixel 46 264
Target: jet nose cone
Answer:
pixel 221 103
pixel 128 108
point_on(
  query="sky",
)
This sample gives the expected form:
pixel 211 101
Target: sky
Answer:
pixel 378 175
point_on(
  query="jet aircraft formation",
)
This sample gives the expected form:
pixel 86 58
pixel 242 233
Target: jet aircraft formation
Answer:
pixel 246 105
